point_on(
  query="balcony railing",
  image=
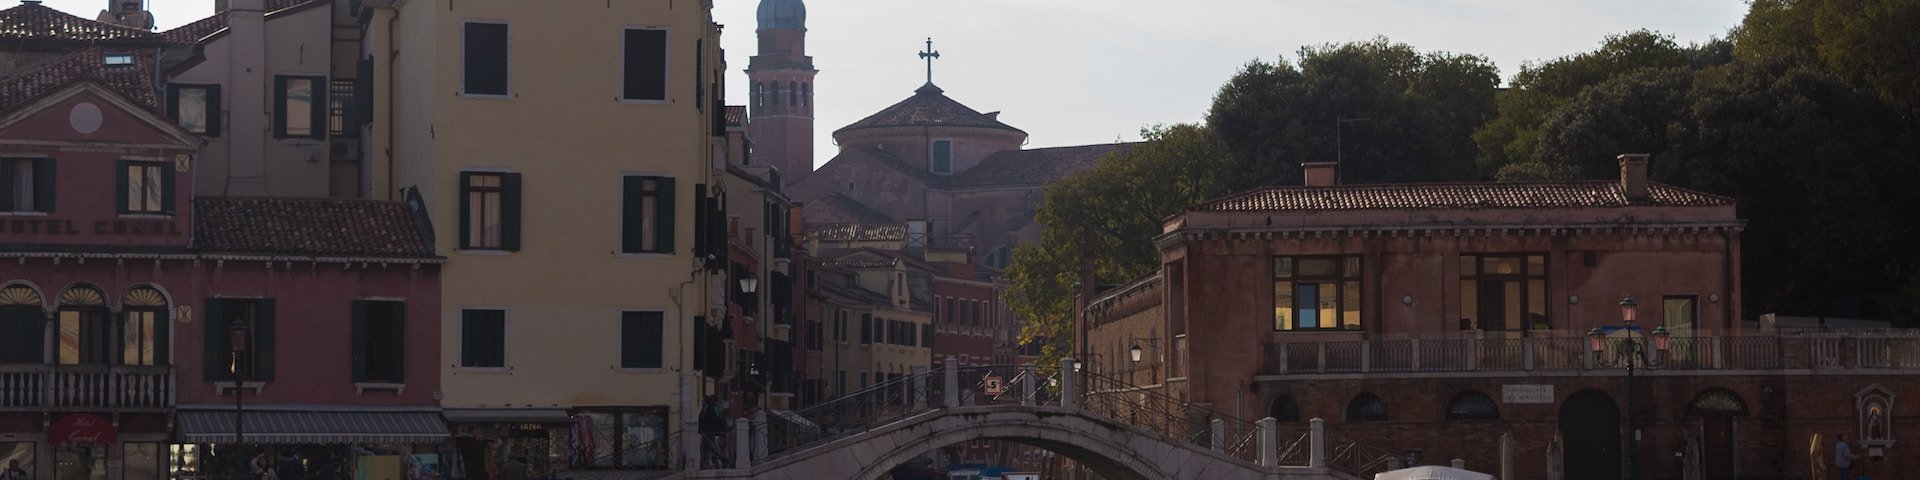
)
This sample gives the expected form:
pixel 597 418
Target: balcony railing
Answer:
pixel 33 387
pixel 1548 354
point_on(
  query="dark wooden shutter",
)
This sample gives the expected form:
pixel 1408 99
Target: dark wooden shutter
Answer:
pixel 700 213
pixel 173 103
pixel 397 322
pixel 699 343
pixel 633 194
pixel 280 108
pixel 466 209
pixel 320 108
pixel 486 59
pixel 646 65
pixel 640 337
pixel 359 341
pixel 263 340
pixel 120 186
pixel 166 188
pixel 362 92
pixel 510 212
pixel 162 338
pixel 866 328
pixel 213 110
pixel 44 184
pixel 469 338
pixel 214 362
pixel 663 217
pixel 497 338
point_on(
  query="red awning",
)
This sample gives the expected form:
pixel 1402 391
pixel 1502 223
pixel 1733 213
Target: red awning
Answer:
pixel 83 429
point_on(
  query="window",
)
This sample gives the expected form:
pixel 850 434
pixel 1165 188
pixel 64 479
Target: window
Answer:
pixel 86 331
pixel 840 326
pixel 1717 402
pixel 926 336
pixel 256 317
pixel 806 95
pixel 1681 314
pixel 195 107
pixel 21 452
pixel 26 185
pixel 486 60
pixel 815 336
pixel 863 379
pixel 942 156
pixel 840 382
pixel 1366 407
pixel 646 65
pixel 1503 292
pixel 1316 293
pixel 866 329
pixel 483 338
pixel 145 187
pixel 143 327
pixel 646 214
pixel 640 339
pixel 340 99
pixel 22 326
pixel 298 111
pixel 379 341
pixel 489 211
pixel 117 59
pixel 1471 405
pixel 1284 409
pixel 793 93
pixel 631 437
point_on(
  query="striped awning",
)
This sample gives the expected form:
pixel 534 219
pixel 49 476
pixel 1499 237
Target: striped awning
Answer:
pixel 314 427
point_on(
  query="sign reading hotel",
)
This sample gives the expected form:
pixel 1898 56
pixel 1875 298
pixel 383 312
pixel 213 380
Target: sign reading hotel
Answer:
pixel 1526 394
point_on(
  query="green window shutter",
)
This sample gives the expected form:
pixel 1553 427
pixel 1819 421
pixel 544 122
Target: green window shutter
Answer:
pixel 162 338
pixel 510 212
pixel 399 332
pixel 320 108
pixel 166 189
pixel 280 108
pixel 632 201
pixel 120 186
pixel 699 342
pixel 43 186
pixel 359 341
pixel 700 221
pixel 640 337
pixel 466 209
pixel 213 111
pixel 469 336
pixel 263 336
pixel 215 344
pixel 663 216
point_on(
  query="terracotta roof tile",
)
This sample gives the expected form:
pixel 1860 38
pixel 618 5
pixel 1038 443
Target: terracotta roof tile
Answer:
pixel 33 21
pixel 928 107
pixel 1035 166
pixel 307 226
pixel 860 211
pixel 1469 196
pixel 135 82
pixel 844 232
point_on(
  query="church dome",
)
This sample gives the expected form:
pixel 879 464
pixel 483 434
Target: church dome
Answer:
pixel 782 14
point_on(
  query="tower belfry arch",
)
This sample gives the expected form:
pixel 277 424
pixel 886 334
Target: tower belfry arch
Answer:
pixel 781 117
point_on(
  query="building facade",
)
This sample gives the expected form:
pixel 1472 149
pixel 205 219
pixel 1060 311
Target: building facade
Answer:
pixel 782 90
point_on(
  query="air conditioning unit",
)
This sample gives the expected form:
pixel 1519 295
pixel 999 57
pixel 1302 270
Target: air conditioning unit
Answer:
pixel 344 149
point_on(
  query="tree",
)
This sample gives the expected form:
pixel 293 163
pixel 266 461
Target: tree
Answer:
pixel 1114 212
pixel 1868 43
pixel 1410 114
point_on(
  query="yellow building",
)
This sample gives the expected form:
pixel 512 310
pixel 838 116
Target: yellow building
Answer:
pixel 558 148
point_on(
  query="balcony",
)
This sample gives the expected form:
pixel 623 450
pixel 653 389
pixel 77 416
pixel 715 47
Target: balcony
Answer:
pixel 33 387
pixel 1571 355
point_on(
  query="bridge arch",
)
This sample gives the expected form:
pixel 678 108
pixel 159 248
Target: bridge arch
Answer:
pixel 1073 436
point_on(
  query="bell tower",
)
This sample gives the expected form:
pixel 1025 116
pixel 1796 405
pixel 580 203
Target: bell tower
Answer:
pixel 780 101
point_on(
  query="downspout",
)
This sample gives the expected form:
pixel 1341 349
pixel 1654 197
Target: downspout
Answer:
pixel 392 53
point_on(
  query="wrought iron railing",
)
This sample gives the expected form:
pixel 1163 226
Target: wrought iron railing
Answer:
pixel 1792 352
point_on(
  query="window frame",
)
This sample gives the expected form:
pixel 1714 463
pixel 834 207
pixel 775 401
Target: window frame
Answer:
pixel 363 329
pixel 1348 415
pixel 511 202
pixel 212 107
pixel 663 209
pixel 1526 278
pixel 44 184
pixel 506 321
pixel 1340 279
pixel 1450 413
pixel 666 65
pixel 507 59
pixel 316 108
pixel 260 315
pixel 617 450
pixel 165 207
pixel 660 362
pixel 933 148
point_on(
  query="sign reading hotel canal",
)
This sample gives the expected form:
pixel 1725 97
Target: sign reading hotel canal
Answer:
pixel 46 226
pixel 1526 394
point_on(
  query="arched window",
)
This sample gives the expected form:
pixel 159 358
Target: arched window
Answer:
pixel 22 325
pixel 143 328
pixel 86 331
pixel 1366 407
pixel 1471 405
pixel 773 96
pixel 759 95
pixel 793 94
pixel 1717 402
pixel 806 94
pixel 1284 409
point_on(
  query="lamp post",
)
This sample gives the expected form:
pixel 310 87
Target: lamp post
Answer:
pixel 1136 352
pixel 1630 354
pixel 237 333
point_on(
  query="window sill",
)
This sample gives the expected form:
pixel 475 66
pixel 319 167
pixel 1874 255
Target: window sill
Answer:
pixel 147 215
pixel 27 213
pixel 642 101
pixel 640 371
pixel 298 141
pixel 642 255
pixel 493 370
pixel 220 388
pixel 487 96
pixel 482 251
pixel 360 388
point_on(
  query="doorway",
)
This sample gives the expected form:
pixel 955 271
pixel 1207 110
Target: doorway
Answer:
pixel 1718 410
pixel 1590 426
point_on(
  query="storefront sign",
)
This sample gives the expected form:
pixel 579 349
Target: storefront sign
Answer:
pixel 83 429
pixel 49 226
pixel 1526 394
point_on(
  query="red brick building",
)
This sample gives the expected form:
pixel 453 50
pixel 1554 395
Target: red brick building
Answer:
pixel 1430 319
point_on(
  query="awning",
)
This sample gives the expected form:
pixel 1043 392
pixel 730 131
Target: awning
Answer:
pixel 314 427
pixel 507 415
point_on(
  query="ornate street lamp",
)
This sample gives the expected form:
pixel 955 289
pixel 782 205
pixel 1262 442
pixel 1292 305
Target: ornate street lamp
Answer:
pixel 1630 354
pixel 237 334
pixel 749 283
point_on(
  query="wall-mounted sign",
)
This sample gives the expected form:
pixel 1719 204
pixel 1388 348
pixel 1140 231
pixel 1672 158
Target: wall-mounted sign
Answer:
pixel 83 429
pixel 1526 394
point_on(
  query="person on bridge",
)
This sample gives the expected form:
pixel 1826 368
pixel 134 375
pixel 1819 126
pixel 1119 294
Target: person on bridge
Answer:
pixel 713 431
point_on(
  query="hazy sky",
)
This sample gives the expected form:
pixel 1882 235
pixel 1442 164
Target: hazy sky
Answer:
pixel 1073 72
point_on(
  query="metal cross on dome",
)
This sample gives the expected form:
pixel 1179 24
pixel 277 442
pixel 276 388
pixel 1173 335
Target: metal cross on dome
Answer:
pixel 929 55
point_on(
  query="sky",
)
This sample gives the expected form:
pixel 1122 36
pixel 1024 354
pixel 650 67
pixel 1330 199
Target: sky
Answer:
pixel 1076 72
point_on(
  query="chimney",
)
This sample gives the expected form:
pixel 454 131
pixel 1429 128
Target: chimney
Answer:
pixel 1318 174
pixel 1633 176
pixel 246 93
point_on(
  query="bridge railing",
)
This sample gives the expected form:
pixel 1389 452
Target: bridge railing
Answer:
pixel 1154 410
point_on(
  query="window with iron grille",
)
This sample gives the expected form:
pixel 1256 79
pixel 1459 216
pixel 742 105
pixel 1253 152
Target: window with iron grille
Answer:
pixel 340 97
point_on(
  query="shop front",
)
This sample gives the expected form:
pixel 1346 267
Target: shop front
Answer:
pixel 547 443
pixel 327 445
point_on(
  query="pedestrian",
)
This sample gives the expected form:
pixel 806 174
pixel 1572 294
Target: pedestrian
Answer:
pixel 263 468
pixel 291 468
pixel 1843 457
pixel 14 472
pixel 713 430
